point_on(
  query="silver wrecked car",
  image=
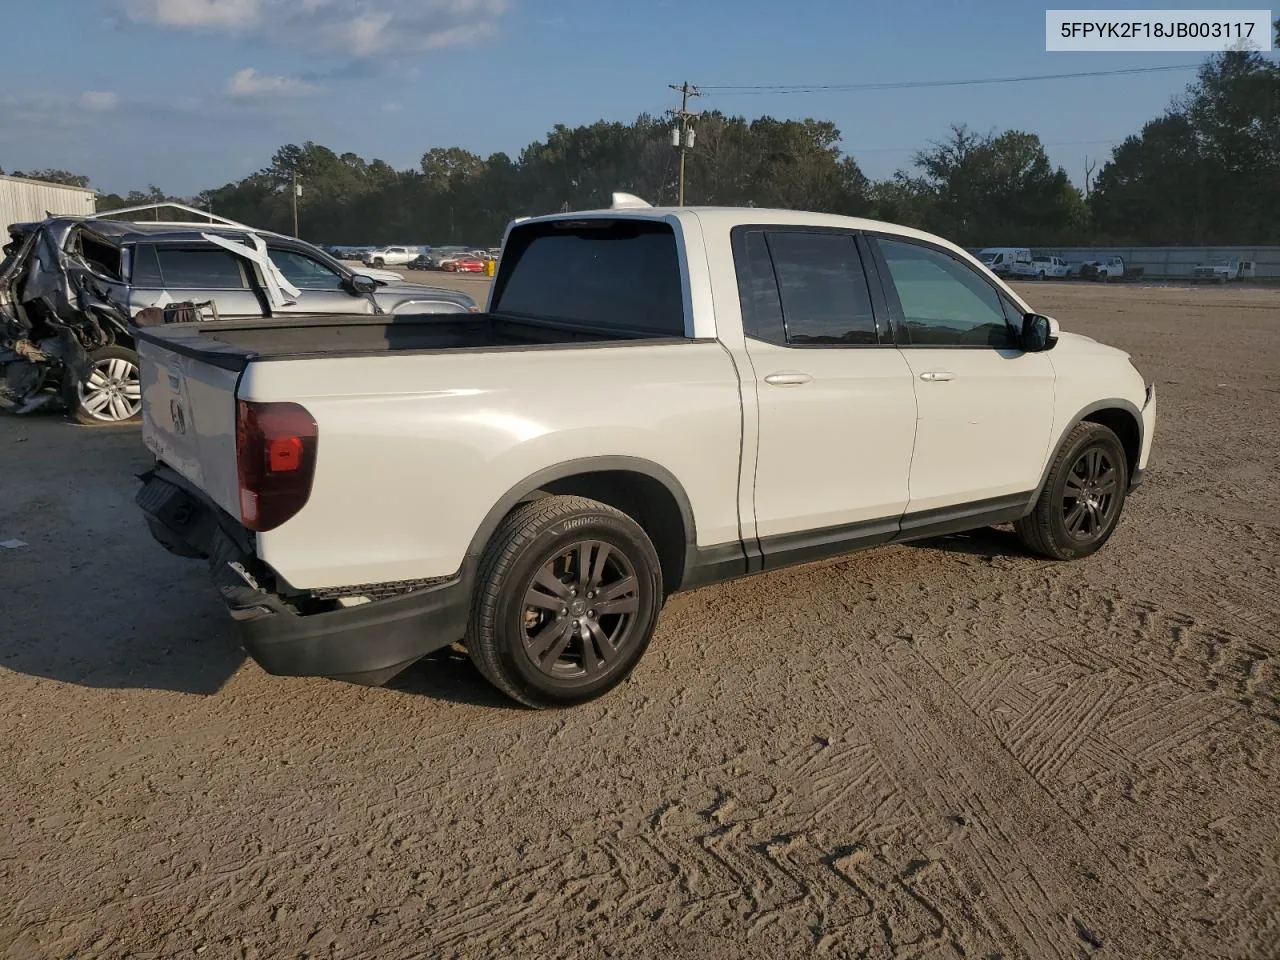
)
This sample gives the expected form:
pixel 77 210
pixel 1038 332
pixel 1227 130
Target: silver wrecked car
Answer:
pixel 71 286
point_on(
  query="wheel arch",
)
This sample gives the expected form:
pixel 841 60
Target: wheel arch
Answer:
pixel 646 491
pixel 1122 417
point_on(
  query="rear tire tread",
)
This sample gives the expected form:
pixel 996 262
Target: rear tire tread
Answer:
pixel 517 530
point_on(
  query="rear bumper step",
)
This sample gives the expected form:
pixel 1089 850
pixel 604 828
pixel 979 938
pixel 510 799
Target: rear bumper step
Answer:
pixel 369 641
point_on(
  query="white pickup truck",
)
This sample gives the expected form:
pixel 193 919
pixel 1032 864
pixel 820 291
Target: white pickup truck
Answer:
pixel 1046 268
pixel 388 257
pixel 655 399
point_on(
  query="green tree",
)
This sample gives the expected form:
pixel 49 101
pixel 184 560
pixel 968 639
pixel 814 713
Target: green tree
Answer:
pixel 1208 169
pixel 54 176
pixel 982 188
pixel 901 200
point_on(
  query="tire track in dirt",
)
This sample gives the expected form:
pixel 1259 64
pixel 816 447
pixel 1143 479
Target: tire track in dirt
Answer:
pixel 753 854
pixel 948 764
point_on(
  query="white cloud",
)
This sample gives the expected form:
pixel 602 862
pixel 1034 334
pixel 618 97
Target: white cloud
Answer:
pixel 359 28
pixel 250 84
pixel 461 35
pixel 99 100
pixel 195 13
pixel 367 33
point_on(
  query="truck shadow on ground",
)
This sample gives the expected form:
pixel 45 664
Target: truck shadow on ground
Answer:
pixel 186 662
pixel 989 542
pixel 450 675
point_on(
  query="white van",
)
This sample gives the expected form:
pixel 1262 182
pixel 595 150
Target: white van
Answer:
pixel 1008 261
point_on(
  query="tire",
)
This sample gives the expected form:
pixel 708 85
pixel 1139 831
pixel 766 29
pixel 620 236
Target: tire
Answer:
pixel 379 263
pixel 1067 526
pixel 1041 274
pixel 113 375
pixel 538 552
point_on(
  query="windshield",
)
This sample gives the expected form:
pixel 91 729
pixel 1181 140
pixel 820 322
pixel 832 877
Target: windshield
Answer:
pixel 987 257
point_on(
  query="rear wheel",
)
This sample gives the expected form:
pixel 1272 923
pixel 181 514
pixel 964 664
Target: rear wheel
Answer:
pixel 567 599
pixel 1080 505
pixel 112 393
pixel 379 262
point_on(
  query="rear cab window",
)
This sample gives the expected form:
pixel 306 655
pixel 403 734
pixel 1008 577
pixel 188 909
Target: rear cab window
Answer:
pixel 616 276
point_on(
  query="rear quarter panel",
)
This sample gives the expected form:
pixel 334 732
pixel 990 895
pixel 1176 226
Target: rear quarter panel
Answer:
pixel 414 450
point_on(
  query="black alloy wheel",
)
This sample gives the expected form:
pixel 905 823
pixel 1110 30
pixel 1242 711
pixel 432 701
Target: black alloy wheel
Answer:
pixel 567 597
pixel 579 610
pixel 1090 497
pixel 1083 495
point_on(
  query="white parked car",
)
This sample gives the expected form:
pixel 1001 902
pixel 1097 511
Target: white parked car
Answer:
pixel 392 256
pixel 656 399
pixel 1047 268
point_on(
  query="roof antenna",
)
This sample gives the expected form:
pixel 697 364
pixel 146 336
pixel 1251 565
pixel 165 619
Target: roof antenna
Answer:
pixel 627 201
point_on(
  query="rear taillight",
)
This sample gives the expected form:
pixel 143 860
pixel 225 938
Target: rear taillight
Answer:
pixel 276 460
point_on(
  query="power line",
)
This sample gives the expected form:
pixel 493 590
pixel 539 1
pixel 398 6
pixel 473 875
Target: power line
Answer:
pixel 748 90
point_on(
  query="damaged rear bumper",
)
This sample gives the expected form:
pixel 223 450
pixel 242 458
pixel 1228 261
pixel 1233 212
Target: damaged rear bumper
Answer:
pixel 290 633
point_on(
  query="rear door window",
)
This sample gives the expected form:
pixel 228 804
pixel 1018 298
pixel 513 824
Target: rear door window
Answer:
pixel 201 269
pixel 803 287
pixel 146 268
pixel 823 288
pixel 619 275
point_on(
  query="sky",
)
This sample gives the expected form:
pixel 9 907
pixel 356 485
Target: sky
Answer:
pixel 190 94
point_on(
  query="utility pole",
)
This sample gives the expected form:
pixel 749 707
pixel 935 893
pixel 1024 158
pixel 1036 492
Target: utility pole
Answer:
pixel 682 136
pixel 297 192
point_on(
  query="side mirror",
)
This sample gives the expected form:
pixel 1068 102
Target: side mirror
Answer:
pixel 362 285
pixel 1039 333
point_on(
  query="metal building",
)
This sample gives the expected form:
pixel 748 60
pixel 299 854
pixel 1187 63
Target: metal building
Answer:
pixel 23 200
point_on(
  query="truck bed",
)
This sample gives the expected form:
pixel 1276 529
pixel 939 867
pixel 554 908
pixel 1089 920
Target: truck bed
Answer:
pixel 232 344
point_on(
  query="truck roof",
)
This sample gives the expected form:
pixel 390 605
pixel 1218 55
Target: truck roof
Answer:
pixel 726 218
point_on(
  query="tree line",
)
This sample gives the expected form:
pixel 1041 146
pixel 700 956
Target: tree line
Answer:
pixel 1207 171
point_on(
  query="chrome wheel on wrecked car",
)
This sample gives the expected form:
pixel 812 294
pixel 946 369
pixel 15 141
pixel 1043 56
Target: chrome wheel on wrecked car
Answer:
pixel 112 393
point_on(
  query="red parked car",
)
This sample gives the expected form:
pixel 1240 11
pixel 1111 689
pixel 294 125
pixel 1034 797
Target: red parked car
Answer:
pixel 465 265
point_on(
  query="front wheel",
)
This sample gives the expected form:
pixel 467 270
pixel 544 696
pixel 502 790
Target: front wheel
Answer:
pixel 566 602
pixel 1041 274
pixel 379 262
pixel 112 393
pixel 1079 507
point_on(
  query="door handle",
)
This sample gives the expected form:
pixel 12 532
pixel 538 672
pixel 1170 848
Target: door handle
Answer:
pixel 933 376
pixel 787 379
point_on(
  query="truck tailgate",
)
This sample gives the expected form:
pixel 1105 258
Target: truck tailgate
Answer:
pixel 189 419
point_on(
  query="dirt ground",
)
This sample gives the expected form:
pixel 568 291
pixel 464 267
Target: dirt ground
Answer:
pixel 942 750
